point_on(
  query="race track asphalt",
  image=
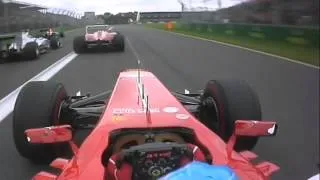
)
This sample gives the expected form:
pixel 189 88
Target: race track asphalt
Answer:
pixel 289 93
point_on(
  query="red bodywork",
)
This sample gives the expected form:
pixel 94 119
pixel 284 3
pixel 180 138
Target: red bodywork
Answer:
pixel 86 163
pixel 100 36
pixel 49 135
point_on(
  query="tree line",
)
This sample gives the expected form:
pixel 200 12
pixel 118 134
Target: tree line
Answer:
pixel 120 18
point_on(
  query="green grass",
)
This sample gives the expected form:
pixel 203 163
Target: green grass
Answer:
pixel 284 49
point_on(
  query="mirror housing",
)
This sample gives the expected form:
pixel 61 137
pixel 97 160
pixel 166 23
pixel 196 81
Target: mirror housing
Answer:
pixel 250 128
pixel 48 135
pixel 255 128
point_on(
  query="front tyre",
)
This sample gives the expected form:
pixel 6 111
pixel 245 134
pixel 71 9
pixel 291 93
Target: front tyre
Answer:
pixel 224 102
pixel 38 105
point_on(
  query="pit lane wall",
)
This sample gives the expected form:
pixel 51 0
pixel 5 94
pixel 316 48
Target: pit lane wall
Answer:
pixel 303 36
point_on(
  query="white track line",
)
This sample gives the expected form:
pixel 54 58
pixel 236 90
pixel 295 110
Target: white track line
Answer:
pixel 244 48
pixel 7 103
pixel 315 177
pixel 135 53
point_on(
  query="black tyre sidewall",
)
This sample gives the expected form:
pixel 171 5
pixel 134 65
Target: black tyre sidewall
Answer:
pixel 79 45
pixel 54 42
pixel 29 51
pixel 235 100
pixel 118 42
pixel 37 105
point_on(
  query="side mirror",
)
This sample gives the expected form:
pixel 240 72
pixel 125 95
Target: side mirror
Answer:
pixel 251 128
pixel 61 34
pixel 255 128
pixel 47 135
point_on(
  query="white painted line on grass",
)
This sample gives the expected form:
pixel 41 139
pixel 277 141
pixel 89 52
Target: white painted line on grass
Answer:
pixel 244 48
pixel 7 103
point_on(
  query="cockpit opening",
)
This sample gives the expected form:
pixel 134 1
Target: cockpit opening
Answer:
pixel 162 149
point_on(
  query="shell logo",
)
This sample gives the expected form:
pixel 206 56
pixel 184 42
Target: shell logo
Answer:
pixel 118 118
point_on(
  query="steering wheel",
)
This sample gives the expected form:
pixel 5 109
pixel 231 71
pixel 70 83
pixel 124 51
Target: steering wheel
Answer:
pixel 153 160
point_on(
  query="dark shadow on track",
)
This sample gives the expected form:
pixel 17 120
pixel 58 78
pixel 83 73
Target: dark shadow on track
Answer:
pixel 101 51
pixel 13 59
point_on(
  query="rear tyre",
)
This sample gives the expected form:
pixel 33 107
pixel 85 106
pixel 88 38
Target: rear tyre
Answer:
pixel 79 45
pixel 55 43
pixel 38 105
pixel 224 102
pixel 31 51
pixel 118 42
pixel 3 56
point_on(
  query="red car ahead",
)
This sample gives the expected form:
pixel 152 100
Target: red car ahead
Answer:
pixel 141 130
pixel 99 37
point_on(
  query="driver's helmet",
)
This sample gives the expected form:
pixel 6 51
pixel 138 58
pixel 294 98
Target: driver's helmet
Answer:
pixel 49 32
pixel 200 170
pixel 26 31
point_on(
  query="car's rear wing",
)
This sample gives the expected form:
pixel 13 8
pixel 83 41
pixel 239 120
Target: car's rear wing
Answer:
pixel 7 37
pixel 106 26
pixel 5 41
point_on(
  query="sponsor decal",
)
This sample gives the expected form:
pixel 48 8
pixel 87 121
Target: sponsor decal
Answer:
pixel 170 109
pixel 134 110
pixel 182 116
pixel 118 118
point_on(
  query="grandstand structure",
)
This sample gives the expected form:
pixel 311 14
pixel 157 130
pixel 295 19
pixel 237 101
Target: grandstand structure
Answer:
pixel 159 16
pixel 16 16
pixel 277 12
